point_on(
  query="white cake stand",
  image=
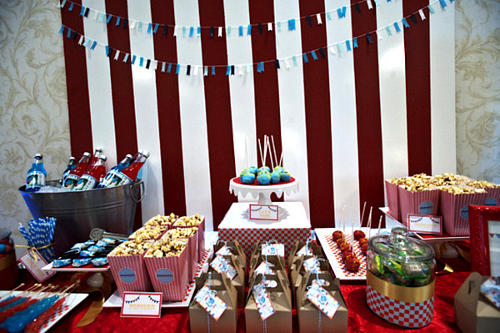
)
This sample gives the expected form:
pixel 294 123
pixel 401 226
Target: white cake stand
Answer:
pixel 263 192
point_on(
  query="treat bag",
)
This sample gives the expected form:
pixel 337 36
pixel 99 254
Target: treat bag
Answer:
pixel 129 273
pixel 235 248
pixel 299 250
pixel 202 321
pixel 276 264
pixel 281 318
pixel 333 317
pixel 170 275
pixel 298 271
pixel 237 280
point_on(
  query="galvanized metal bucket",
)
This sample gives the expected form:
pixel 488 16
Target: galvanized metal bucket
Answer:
pixel 112 209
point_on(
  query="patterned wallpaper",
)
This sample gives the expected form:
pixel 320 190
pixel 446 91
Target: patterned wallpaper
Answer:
pixel 33 106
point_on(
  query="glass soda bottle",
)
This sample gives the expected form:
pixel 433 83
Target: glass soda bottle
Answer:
pixel 111 173
pixel 129 174
pixel 74 175
pixel 35 177
pixel 92 176
pixel 71 166
pixel 95 157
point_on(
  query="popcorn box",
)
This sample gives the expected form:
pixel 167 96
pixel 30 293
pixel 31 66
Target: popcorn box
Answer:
pixel 455 211
pixel 393 199
pixel 200 235
pixel 129 273
pixel 170 275
pixel 422 202
pixel 411 307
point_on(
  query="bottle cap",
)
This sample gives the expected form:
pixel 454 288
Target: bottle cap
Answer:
pixel 103 157
pixel 38 155
pixel 72 158
pixel 146 153
pixel 87 154
pixel 129 156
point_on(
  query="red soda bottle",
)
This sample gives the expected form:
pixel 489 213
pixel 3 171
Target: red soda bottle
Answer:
pixel 95 157
pixel 129 174
pixel 74 175
pixel 92 176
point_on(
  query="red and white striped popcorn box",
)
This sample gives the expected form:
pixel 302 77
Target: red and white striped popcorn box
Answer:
pixel 393 199
pixel 129 273
pixel 422 202
pixel 455 211
pixel 200 237
pixel 170 275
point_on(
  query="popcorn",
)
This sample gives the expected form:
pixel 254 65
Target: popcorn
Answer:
pixel 167 247
pixel 160 220
pixel 188 221
pixel 448 182
pixel 148 232
pixel 131 248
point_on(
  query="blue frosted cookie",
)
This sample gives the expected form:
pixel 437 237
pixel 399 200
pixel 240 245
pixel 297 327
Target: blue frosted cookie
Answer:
pixel 285 176
pixel 264 178
pixel 275 177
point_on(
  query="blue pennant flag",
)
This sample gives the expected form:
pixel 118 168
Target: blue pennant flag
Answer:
pixel 322 52
pixel 309 22
pixel 156 28
pixel 249 29
pixel 348 45
pixel 356 6
pixel 277 64
pixel 443 3
pixel 240 30
pixel 108 19
pixel 86 43
pixel 329 16
pixel 355 42
pixel 117 21
pixel 260 28
pixel 405 23
pixel 313 53
pixel 198 31
pixel 133 59
pixel 125 58
pixel 341 12
pixel 169 68
pixel 205 71
pixel 294 60
pixel 94 44
pixel 191 31
pixel 278 26
pixel 228 70
pixel 177 69
pixel 213 70
pixel 70 7
pixel 396 26
pixel 431 9
pixel 61 30
pixel 141 61
pixel 369 38
pixel 212 31
pixel 188 70
pixel 388 29
pixel 82 11
pixel 304 56
pixel 260 67
pixel 291 24
pixel 165 29
pixel 107 50
pixel 413 18
pixel 150 26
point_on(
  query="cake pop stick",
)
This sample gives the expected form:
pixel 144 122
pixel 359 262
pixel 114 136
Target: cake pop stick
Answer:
pixel 281 159
pixel 342 219
pixel 265 152
pixel 268 146
pixel 260 152
pixel 379 224
pixel 363 214
pixel 274 149
pixel 370 221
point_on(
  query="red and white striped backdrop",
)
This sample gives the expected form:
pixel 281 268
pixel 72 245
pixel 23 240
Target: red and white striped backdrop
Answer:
pixel 344 123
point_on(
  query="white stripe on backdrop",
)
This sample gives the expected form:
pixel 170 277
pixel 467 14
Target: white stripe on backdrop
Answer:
pixel 193 117
pixel 391 62
pixel 146 110
pixel 239 50
pixel 344 130
pixel 291 99
pixel 442 53
pixel 99 82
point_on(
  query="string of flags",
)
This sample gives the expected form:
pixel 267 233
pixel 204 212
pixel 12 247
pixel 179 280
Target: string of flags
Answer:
pixel 229 30
pixel 337 48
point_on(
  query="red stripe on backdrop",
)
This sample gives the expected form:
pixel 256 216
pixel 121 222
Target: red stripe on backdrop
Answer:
pixel 267 108
pixel 418 89
pixel 318 121
pixel 122 90
pixel 366 77
pixel 169 117
pixel 218 110
pixel 80 127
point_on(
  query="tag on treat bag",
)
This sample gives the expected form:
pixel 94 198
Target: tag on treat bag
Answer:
pixel 322 299
pixel 141 305
pixel 224 251
pixel 262 301
pixel 425 224
pixel 311 265
pixel 263 212
pixel 305 251
pixel 221 265
pixel 209 301
pixel 273 250
pixel 264 268
pixel 34 263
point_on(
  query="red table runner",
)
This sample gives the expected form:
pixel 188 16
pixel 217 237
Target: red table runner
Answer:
pixel 361 319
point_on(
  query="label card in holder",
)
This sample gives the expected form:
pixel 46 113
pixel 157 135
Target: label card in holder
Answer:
pixel 264 268
pixel 34 263
pixel 304 251
pixel 224 251
pixel 322 299
pixel 425 224
pixel 141 304
pixel 273 250
pixel 221 265
pixel 311 265
pixel 209 301
pixel 262 301
pixel 263 212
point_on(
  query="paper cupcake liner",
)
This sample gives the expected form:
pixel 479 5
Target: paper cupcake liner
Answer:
pixel 129 273
pixel 169 275
pixel 455 211
pixel 424 202
pixel 393 199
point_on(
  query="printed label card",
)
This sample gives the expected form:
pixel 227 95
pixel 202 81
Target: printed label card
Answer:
pixel 141 305
pixel 425 224
pixel 263 301
pixel 34 263
pixel 273 250
pixel 263 212
pixel 208 300
pixel 322 299
pixel 221 265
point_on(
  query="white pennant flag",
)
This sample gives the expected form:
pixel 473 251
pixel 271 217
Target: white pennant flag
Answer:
pixel 287 63
pixel 195 71
pixel 175 31
pixel 80 41
pixel 318 18
pixel 421 13
pixel 219 32
pixel 333 50
pixel 380 34
pixel 205 72
pixel 117 54
pixel 369 3
pixel 269 26
pixel 240 70
pixel 132 25
pixel 249 68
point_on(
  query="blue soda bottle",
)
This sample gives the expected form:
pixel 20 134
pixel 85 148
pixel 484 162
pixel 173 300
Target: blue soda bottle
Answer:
pixel 36 176
pixel 71 166
pixel 111 173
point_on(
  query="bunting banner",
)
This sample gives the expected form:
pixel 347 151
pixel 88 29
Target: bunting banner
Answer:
pixel 164 65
